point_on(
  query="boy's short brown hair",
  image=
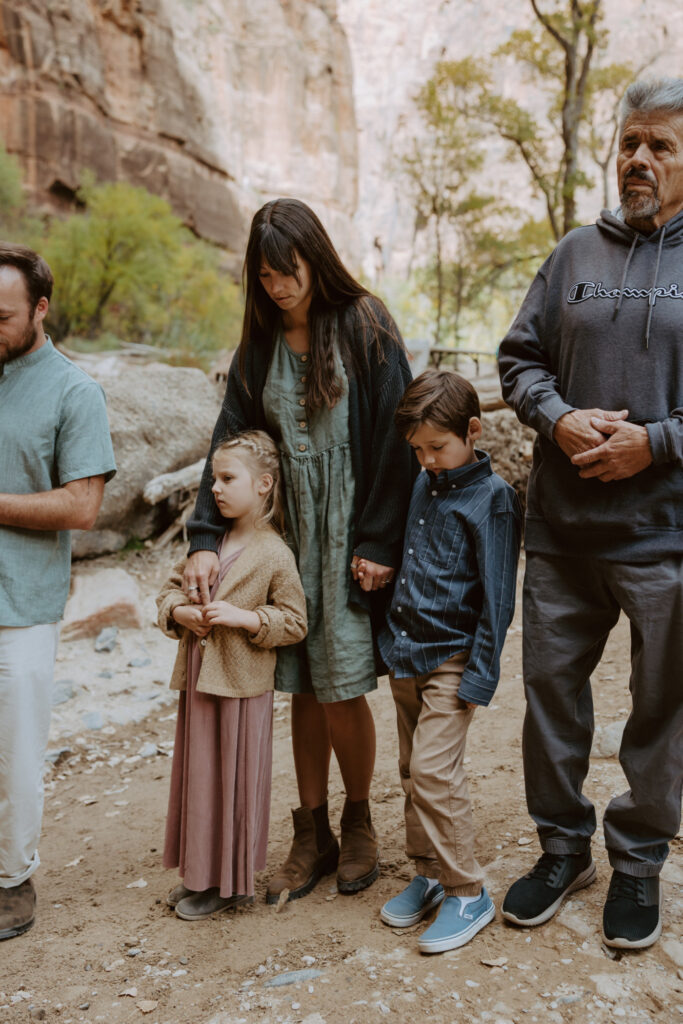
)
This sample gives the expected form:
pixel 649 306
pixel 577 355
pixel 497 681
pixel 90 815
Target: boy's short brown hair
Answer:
pixel 440 397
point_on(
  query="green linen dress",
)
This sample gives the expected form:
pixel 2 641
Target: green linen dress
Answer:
pixel 335 661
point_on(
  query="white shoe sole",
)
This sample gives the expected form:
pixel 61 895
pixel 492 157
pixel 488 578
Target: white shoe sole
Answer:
pixel 586 878
pixel 649 940
pixel 405 921
pixel 461 939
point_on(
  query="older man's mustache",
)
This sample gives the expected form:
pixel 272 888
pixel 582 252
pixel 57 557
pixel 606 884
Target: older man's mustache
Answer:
pixel 640 175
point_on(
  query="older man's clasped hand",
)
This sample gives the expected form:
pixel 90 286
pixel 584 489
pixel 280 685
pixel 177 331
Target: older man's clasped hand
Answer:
pixel 603 444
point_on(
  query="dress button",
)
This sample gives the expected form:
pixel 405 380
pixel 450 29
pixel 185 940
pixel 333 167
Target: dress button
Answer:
pixel 403 580
pixel 302 424
pixel 453 486
pixel 202 643
pixel 302 447
pixel 410 551
pixel 304 379
pixel 421 522
pixel 434 494
pixel 403 633
pixel 302 401
pixel 398 608
pixel 304 359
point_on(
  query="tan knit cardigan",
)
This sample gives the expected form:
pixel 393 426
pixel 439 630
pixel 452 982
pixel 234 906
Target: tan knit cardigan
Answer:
pixel 236 663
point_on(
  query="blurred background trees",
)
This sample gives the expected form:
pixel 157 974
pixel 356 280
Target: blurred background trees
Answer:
pixel 499 155
pixel 127 271
pixel 558 128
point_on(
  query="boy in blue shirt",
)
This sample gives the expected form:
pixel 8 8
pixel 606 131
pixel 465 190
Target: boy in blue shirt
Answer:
pixel 451 608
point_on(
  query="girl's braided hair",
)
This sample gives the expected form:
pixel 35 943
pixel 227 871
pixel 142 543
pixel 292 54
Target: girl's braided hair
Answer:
pixel 259 454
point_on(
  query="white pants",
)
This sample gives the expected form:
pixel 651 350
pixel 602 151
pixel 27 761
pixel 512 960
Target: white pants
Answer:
pixel 27 661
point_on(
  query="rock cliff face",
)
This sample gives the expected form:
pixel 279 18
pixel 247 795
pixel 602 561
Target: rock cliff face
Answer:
pixel 221 104
pixel 218 105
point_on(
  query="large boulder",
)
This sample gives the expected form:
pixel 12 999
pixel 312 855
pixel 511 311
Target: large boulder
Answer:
pixel 510 445
pixel 106 597
pixel 161 419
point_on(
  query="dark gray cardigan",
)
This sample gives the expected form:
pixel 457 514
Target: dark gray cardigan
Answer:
pixel 383 465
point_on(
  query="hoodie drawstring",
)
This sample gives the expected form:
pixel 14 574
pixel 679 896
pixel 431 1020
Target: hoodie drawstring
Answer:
pixel 617 305
pixel 654 289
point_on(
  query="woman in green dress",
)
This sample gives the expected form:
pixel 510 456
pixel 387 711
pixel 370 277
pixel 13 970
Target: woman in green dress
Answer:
pixel 321 366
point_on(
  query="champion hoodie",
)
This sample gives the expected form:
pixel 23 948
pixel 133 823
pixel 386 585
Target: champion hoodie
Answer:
pixel 602 327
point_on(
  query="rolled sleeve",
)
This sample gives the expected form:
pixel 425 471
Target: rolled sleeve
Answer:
pixel 171 597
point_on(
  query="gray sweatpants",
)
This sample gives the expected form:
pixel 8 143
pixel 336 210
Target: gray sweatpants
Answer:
pixel 570 606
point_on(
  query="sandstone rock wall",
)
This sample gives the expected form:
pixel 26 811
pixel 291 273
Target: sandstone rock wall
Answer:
pixel 217 105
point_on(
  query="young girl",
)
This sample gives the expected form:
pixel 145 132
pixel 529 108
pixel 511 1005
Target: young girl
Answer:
pixel 218 810
pixel 321 367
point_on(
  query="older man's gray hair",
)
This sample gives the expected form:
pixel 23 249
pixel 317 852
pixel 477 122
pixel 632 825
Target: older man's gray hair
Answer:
pixel 650 94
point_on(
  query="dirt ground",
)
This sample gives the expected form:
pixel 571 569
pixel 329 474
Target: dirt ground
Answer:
pixel 106 948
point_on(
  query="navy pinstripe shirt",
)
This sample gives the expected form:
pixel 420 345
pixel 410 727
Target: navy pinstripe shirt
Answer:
pixel 455 590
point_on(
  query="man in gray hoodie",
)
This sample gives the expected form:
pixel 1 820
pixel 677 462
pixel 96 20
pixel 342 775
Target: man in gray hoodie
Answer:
pixel 594 363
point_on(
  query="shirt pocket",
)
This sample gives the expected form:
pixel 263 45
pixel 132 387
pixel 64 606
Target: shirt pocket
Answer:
pixel 441 541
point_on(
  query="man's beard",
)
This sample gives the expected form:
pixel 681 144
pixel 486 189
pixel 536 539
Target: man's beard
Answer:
pixel 640 206
pixel 26 342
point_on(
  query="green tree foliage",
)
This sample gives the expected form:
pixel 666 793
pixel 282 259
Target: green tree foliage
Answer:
pixel 475 244
pixel 556 57
pixel 569 130
pixel 127 266
pixel 562 58
pixel 11 194
pixel 573 120
pixel 439 166
pixel 607 86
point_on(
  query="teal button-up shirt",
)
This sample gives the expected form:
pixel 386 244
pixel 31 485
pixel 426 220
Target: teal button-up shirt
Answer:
pixel 53 429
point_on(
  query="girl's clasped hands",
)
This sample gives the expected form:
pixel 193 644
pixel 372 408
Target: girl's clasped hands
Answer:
pixel 200 618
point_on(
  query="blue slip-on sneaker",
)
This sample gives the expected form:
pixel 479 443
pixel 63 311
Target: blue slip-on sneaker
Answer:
pixel 457 923
pixel 411 905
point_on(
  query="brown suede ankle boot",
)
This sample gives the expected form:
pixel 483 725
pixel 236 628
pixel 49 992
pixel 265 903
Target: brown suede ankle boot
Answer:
pixel 17 909
pixel 314 853
pixel 359 858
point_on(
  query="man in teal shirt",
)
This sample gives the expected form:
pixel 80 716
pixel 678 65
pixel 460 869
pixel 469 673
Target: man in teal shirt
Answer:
pixel 55 457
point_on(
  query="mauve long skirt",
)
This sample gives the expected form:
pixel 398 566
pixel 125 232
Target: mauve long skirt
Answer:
pixel 219 803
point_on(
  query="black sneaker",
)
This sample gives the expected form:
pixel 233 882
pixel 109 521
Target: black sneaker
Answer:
pixel 632 916
pixel 536 897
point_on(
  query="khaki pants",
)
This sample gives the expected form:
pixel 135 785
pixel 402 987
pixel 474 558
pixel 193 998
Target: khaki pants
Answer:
pixel 27 659
pixel 432 728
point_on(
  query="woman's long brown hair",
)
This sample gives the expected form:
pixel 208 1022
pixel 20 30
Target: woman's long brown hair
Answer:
pixel 281 230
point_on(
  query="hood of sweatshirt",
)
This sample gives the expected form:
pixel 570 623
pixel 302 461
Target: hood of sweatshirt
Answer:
pixel 667 236
pixel 567 351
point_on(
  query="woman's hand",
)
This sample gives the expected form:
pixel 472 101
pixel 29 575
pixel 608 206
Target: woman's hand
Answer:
pixel 222 613
pixel 200 574
pixel 192 618
pixel 371 575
